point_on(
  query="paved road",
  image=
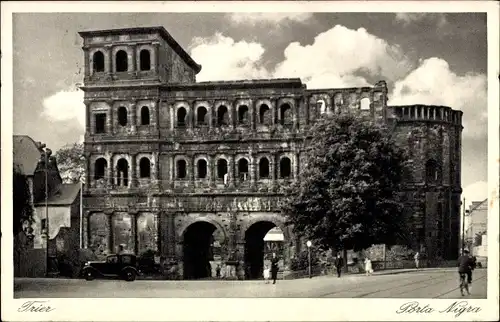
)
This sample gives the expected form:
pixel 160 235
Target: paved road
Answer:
pixel 417 284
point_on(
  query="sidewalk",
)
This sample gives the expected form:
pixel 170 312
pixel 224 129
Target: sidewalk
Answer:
pixel 412 270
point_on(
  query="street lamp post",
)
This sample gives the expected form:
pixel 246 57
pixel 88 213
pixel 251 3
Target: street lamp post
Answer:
pixel 46 213
pixel 309 244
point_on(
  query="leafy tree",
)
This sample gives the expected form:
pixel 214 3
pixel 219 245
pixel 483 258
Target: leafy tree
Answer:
pixel 22 208
pixel 71 163
pixel 348 194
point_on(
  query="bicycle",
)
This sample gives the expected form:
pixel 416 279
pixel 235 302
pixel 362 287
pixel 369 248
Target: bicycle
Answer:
pixel 464 284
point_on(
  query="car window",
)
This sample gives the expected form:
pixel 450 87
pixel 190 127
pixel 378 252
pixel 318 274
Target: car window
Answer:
pixel 112 259
pixel 126 259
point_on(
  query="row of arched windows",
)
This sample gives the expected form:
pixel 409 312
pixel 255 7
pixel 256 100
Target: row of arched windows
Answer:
pixel 121 61
pixel 123 116
pixel 242 169
pixel 222 118
pixel 121 175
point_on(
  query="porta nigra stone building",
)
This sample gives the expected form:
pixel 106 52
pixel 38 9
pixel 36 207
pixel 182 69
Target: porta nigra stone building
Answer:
pixel 190 169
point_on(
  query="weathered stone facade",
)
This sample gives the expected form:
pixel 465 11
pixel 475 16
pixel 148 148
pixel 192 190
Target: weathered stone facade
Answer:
pixel 170 160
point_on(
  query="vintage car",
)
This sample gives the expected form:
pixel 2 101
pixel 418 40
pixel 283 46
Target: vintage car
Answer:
pixel 117 265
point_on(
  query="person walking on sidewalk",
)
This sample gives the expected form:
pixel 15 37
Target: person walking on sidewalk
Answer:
pixel 416 258
pixel 274 267
pixel 339 262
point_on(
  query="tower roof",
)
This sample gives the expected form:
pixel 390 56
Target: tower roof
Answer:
pixel 148 30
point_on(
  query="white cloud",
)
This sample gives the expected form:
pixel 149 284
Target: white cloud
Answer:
pixel 338 56
pixel 65 106
pixel 477 191
pixel 254 18
pixel 224 59
pixel 434 83
pixel 408 18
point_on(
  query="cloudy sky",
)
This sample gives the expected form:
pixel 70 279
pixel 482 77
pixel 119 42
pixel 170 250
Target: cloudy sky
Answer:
pixel 425 58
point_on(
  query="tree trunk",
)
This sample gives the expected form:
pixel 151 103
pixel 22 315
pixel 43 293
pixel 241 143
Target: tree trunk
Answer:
pixel 345 259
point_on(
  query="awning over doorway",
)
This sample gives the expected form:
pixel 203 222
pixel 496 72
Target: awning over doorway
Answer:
pixel 274 234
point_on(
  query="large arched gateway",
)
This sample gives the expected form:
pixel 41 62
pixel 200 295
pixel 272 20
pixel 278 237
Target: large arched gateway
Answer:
pixel 198 249
pixel 260 243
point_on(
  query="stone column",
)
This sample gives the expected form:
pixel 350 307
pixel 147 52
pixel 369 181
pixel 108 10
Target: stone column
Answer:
pixel 295 173
pixel 191 169
pixel 89 129
pixel 87 170
pixel 252 108
pixel 274 110
pixel 87 62
pixel 253 171
pixel 211 112
pixel 134 60
pixel 86 229
pixel 155 170
pixel 134 215
pixel 155 66
pixel 109 217
pixel 133 171
pixel 230 170
pixel 274 170
pixel 171 171
pixel 111 179
pixel 133 116
pixel 109 68
pixel 295 115
pixel 109 119
pixel 211 170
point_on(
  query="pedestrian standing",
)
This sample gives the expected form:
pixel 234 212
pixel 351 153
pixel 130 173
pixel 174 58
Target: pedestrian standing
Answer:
pixel 274 267
pixel 217 271
pixel 368 267
pixel 417 258
pixel 267 274
pixel 339 262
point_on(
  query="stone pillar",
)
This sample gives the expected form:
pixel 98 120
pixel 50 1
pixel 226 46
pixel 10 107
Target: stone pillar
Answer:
pixel 89 129
pixel 87 170
pixel 109 217
pixel 252 111
pixel 211 170
pixel 134 60
pixel 211 111
pixel 253 171
pixel 295 116
pixel 133 171
pixel 133 117
pixel 190 115
pixel 87 62
pixel 109 68
pixel 274 110
pixel 155 170
pixel 230 170
pixel 296 159
pixel 133 216
pixel 191 168
pixel 109 119
pixel 274 170
pixel 171 171
pixel 111 179
pixel 155 66
pixel 86 229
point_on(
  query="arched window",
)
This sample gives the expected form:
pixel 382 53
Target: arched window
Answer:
pixel 321 106
pixel 285 114
pixel 338 100
pixel 122 173
pixel 122 116
pixel 181 169
pixel 181 117
pixel 144 115
pixel 243 169
pixel 121 61
pixel 145 59
pixel 100 167
pixel 98 62
pixel 264 114
pixel 201 116
pixel 432 171
pixel 222 116
pixel 145 168
pixel 285 168
pixel 221 168
pixel 365 103
pixel 242 114
pixel 202 168
pixel 264 168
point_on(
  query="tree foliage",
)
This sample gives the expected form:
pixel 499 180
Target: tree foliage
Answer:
pixel 22 209
pixel 347 196
pixel 71 163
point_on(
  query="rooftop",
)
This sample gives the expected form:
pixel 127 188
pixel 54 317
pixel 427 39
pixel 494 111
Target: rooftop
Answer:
pixel 66 195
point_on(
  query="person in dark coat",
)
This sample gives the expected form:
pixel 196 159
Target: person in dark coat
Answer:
pixel 339 262
pixel 274 267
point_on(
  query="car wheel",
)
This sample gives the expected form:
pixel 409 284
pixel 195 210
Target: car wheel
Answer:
pixel 89 275
pixel 129 275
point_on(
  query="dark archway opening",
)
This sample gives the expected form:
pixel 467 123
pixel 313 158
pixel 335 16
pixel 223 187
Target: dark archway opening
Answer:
pixel 121 61
pixel 254 249
pixel 144 115
pixel 222 116
pixel 98 62
pixel 201 117
pixel 242 115
pixel 198 241
pixel 264 115
pixel 100 168
pixel 145 59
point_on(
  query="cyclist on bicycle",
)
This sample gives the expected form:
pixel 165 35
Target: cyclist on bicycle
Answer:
pixel 466 265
